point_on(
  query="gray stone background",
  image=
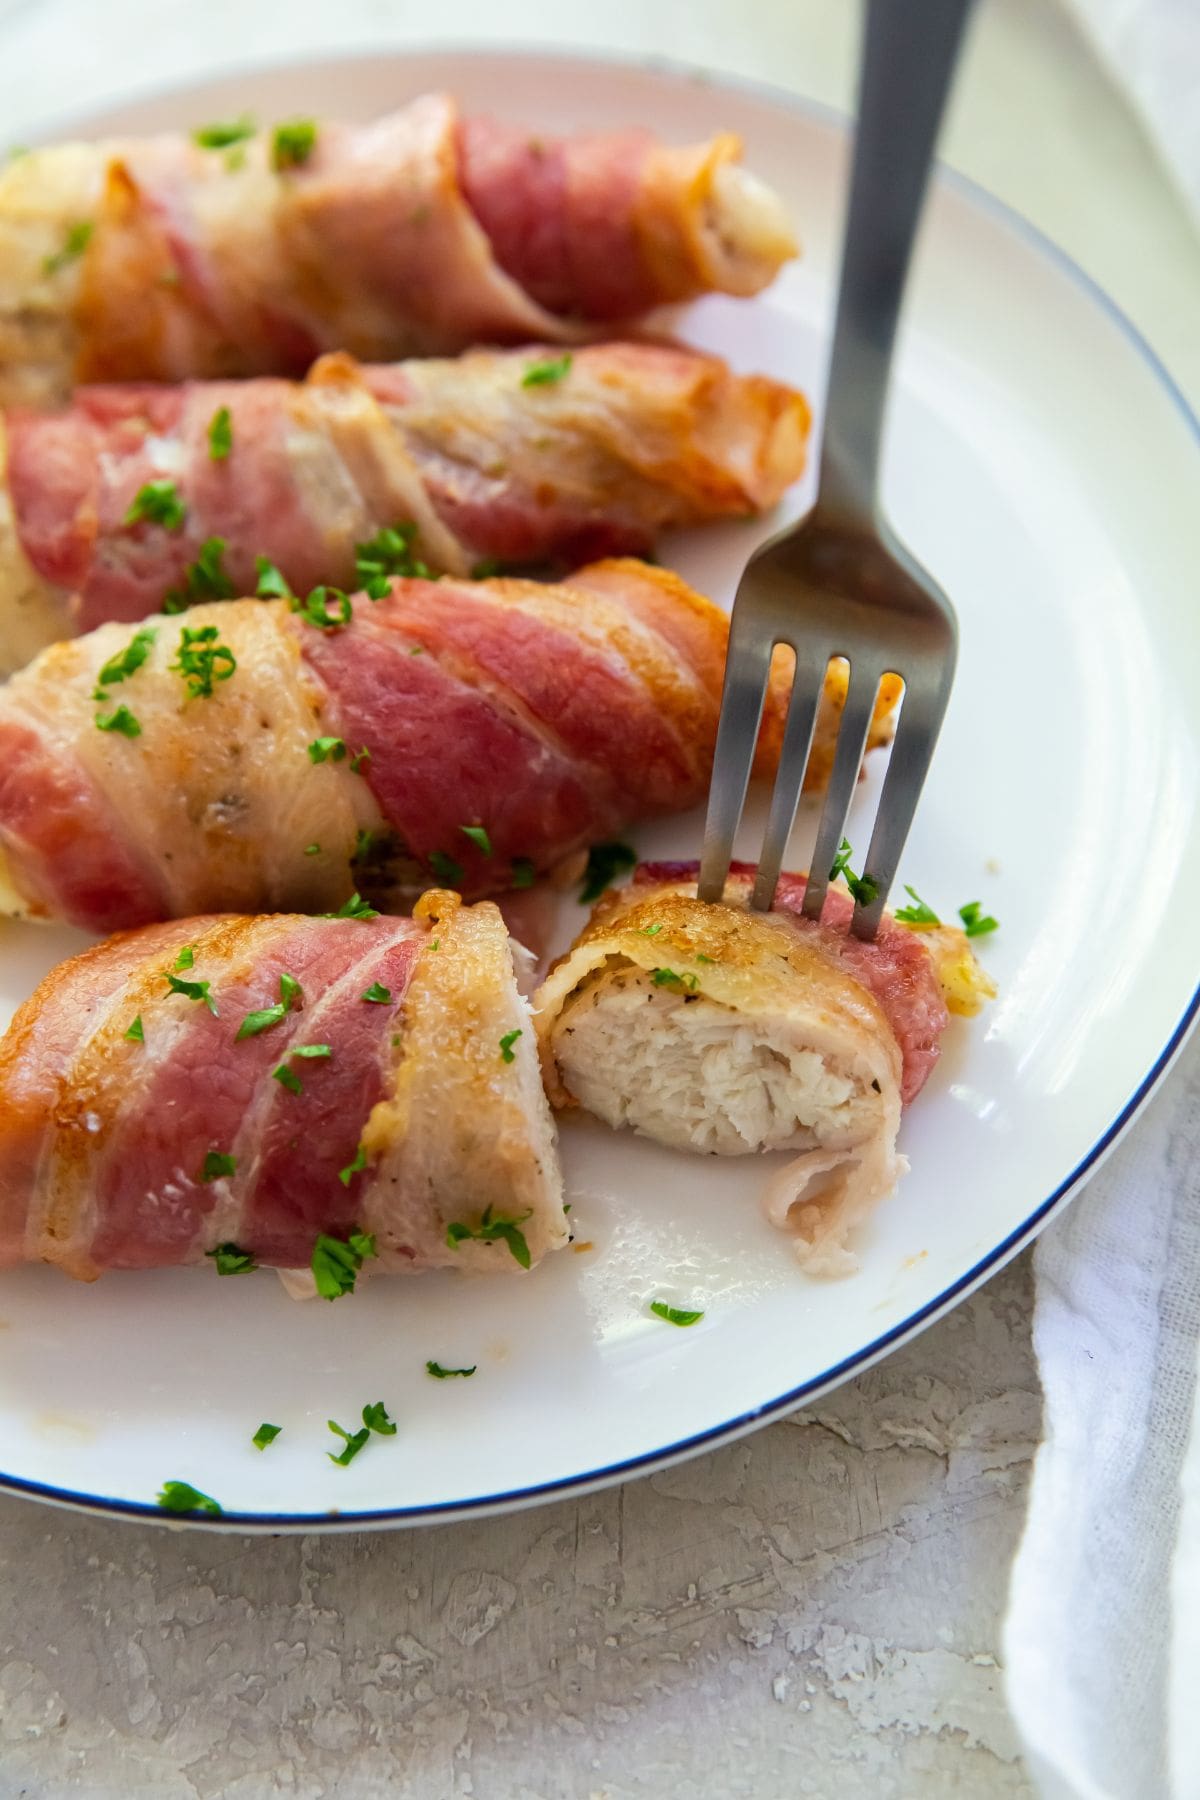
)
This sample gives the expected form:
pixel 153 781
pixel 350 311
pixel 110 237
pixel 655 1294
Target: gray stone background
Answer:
pixel 814 1610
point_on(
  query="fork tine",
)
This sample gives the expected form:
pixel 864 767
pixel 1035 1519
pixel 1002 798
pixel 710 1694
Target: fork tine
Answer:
pixel 807 686
pixel 852 740
pixel 921 714
pixel 746 673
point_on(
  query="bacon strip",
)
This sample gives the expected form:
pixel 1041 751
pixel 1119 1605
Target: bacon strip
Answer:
pixel 631 440
pixel 104 1138
pixel 543 717
pixel 155 258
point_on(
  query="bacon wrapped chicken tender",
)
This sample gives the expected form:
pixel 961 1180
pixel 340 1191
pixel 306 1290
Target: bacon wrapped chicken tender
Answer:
pixel 729 1032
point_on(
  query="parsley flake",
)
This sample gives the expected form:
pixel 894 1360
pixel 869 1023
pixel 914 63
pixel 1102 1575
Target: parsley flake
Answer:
pixel 439 1374
pixel 205 579
pixel 669 978
pixel 122 721
pixel 126 662
pixel 186 958
pixel 193 990
pixel 220 434
pixel 157 503
pixel 346 1175
pixel 315 608
pixel 385 556
pixel 216 1165
pixel 182 1497
pixel 604 862
pixel 287 1077
pixel 293 143
pixel 271 583
pixel 862 887
pixel 522 874
pixel 506 1044
pixel 973 924
pixel 230 1260
pixel 918 913
pixel 336 1263
pixel 359 760
pixel 266 1434
pixel 352 1446
pixel 377 993
pixel 493 1228
pixel 376 1417
pixel 674 1315
pixel 312 849
pixel 650 930
pixel 546 373
pixel 221 136
pixel 447 871
pixel 478 836
pixel 327 749
pixel 137 1032
pixel 201 660
pixel 353 908
pixel 75 242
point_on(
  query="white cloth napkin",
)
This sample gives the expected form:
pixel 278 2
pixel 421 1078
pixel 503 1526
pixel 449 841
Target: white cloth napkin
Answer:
pixel 1102 1640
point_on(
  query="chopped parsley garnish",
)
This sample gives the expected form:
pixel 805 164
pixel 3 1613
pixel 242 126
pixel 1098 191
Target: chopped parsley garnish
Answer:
pixel 506 1044
pixel 75 242
pixel 266 1434
pixel 674 1315
pixel 650 930
pixel 312 849
pixel 544 374
pixel 335 1264
pixel 186 958
pixel 221 136
pixel 375 1418
pixel 287 1077
pixel 232 1261
pixel 220 434
pixel 193 990
pixel 352 1446
pixel 603 863
pixel 293 143
pixel 363 842
pixel 359 760
pixel 448 872
pixel 271 583
pixel 522 873
pixel 290 992
pixel 862 887
pixel 327 749
pixel 379 994
pixel 346 1175
pixel 386 555
pixel 315 608
pixel 478 836
pixel 485 568
pixel 669 978
pixel 918 913
pixel 973 924
pixel 202 660
pixel 122 721
pixel 493 1228
pixel 218 1164
pixel 137 1032
pixel 439 1374
pixel 700 957
pixel 182 1497
pixel 158 503
pixel 205 579
pixel 126 662
pixel 353 908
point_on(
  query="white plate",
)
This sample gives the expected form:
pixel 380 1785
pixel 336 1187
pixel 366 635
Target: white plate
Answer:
pixel 1045 469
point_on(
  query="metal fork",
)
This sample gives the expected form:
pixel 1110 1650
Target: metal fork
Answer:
pixel 840 583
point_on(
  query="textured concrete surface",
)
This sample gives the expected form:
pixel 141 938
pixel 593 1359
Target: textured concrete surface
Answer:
pixel 811 1611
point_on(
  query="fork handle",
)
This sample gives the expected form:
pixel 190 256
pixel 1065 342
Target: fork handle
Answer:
pixel 909 54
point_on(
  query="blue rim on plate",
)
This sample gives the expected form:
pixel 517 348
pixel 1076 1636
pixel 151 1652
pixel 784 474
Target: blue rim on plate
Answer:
pixel 448 1510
